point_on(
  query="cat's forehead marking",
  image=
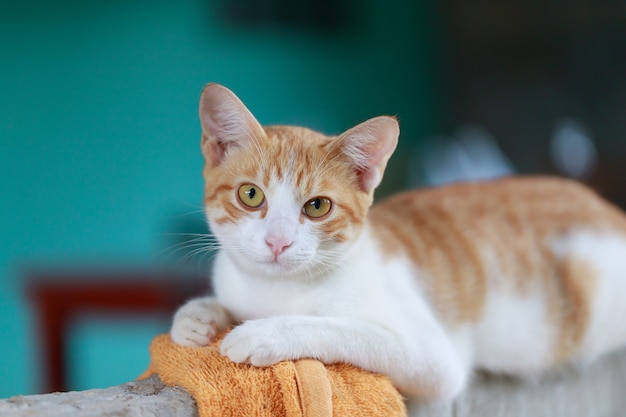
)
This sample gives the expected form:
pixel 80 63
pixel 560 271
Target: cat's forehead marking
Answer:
pixel 293 156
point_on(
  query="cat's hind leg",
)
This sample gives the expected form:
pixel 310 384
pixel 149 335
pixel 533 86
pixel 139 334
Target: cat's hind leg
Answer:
pixel 595 284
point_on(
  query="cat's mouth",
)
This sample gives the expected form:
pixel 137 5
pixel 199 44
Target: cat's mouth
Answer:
pixel 282 264
pixel 280 261
pixel 285 266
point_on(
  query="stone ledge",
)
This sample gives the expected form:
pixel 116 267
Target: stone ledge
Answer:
pixel 145 398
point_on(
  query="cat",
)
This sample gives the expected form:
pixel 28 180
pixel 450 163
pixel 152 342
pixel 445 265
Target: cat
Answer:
pixel 516 275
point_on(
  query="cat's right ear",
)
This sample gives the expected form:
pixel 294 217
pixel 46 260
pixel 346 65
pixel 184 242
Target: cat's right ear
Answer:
pixel 226 122
pixel 369 146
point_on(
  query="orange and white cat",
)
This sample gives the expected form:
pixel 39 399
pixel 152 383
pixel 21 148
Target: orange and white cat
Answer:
pixel 512 276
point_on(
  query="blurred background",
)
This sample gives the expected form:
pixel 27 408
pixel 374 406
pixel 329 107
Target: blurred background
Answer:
pixel 100 169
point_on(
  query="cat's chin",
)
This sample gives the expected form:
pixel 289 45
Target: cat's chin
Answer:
pixel 280 270
pixel 301 271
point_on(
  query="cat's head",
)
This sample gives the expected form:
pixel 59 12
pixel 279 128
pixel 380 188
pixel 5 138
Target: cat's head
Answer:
pixel 287 201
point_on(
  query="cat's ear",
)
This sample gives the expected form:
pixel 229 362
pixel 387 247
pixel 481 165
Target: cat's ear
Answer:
pixel 369 146
pixel 226 122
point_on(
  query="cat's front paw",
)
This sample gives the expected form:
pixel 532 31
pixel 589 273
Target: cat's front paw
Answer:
pixel 258 343
pixel 198 322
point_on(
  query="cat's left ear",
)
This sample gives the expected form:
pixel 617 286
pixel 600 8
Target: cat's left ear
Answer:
pixel 369 145
pixel 226 123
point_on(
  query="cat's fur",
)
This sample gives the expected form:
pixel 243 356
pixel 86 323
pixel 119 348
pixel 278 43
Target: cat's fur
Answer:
pixel 513 276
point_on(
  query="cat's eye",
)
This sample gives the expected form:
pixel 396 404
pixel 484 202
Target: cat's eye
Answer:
pixel 251 195
pixel 317 207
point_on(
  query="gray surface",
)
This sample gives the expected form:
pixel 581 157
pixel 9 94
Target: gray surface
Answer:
pixel 145 398
pixel 595 390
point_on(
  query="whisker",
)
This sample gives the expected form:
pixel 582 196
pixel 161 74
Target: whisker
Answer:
pixel 207 235
pixel 190 242
pixel 191 213
pixel 201 242
pixel 193 253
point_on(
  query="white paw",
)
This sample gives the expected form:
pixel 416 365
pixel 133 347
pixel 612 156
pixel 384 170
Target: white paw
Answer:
pixel 198 322
pixel 257 342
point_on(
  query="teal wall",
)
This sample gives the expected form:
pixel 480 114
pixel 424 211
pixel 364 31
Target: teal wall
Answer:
pixel 99 135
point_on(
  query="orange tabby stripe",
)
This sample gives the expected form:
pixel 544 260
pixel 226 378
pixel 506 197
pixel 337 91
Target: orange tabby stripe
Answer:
pixel 448 231
pixel 218 189
pixel 575 281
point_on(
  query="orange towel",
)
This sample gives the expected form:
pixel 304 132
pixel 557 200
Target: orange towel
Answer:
pixel 302 388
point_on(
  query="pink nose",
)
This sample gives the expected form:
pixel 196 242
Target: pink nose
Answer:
pixel 277 245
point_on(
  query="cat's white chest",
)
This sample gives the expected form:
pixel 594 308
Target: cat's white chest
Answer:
pixel 252 297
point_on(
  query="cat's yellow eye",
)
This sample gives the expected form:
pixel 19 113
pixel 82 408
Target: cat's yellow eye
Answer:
pixel 317 207
pixel 251 195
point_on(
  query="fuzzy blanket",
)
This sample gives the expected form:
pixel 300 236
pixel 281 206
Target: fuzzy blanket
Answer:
pixel 302 388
